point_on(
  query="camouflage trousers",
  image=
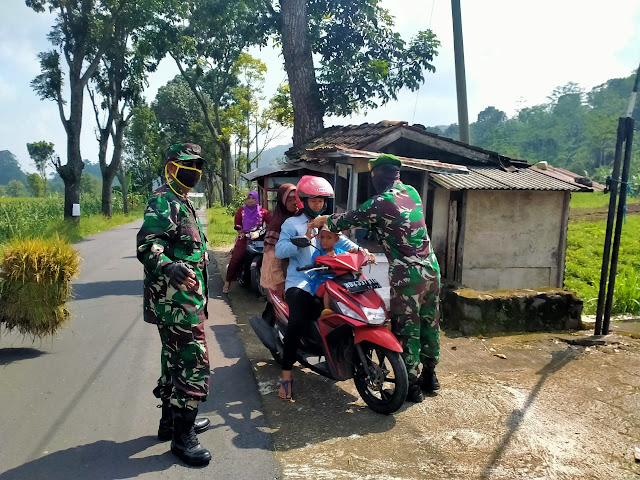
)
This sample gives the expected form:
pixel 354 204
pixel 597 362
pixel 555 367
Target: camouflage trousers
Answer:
pixel 415 318
pixel 184 379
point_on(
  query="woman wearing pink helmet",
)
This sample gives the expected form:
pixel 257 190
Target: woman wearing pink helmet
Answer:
pixel 313 193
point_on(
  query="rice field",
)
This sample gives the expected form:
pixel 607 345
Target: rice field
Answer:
pixel 44 218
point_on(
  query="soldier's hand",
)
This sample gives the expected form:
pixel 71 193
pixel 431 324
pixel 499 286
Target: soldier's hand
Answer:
pixel 180 276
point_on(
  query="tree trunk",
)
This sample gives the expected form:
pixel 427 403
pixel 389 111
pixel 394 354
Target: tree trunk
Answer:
pixel 308 110
pixel 227 170
pixel 107 184
pixel 110 171
pixel 122 178
pixel 72 171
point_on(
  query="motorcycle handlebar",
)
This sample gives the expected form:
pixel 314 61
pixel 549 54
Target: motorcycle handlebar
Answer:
pixel 306 267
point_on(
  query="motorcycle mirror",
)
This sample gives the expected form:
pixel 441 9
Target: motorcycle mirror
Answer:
pixel 301 241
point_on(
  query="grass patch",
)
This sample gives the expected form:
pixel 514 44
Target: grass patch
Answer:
pixel 594 200
pixel 585 244
pixel 220 230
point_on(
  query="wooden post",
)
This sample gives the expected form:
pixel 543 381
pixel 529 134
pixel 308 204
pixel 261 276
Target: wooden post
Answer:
pixel 462 220
pixel 452 234
pixel 562 246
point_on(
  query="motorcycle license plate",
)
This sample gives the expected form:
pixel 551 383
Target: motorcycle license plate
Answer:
pixel 362 285
pixel 258 244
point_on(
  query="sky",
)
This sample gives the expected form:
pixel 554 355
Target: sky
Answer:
pixel 516 53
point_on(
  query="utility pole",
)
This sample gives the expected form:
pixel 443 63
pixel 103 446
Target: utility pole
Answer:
pixel 461 80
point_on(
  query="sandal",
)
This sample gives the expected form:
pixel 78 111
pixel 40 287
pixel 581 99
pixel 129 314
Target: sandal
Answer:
pixel 286 384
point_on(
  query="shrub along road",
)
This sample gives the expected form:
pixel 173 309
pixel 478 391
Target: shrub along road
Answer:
pixel 79 406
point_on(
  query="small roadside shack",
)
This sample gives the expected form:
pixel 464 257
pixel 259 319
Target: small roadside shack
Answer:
pixel 495 222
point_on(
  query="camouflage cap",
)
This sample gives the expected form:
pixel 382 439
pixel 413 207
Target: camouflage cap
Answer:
pixel 184 151
pixel 385 159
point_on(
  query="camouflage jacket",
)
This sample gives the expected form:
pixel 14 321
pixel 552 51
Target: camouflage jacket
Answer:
pixel 397 216
pixel 171 231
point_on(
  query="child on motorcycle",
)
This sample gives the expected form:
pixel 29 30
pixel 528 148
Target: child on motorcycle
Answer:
pixel 328 240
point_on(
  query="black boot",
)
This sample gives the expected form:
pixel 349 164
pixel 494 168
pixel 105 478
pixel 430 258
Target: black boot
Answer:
pixel 185 443
pixel 165 430
pixel 429 382
pixel 414 394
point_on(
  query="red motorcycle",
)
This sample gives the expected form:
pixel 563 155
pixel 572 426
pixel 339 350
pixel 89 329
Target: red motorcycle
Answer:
pixel 353 341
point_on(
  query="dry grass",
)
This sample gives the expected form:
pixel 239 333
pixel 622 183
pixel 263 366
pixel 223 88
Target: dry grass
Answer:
pixel 36 284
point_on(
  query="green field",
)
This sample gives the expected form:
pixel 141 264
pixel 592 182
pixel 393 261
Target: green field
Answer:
pixel 43 218
pixel 594 200
pixel 585 242
pixel 220 230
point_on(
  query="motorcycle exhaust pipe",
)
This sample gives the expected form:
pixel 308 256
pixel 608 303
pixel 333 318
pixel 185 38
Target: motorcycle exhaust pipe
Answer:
pixel 264 331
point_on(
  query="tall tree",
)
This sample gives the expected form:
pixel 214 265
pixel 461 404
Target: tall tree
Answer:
pixel 205 49
pixel 363 62
pixel 143 150
pixel 36 184
pixel 42 154
pixel 81 33
pixel 15 188
pixel 120 80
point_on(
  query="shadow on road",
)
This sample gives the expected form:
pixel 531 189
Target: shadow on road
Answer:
pixel 8 355
pixel 559 359
pixel 86 291
pixel 102 460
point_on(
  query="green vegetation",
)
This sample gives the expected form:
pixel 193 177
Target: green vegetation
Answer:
pixel 574 129
pixel 220 230
pixel 585 242
pixel 43 218
pixel 594 200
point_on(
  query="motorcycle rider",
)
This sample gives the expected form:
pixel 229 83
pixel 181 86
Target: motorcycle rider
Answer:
pixel 414 274
pixel 312 192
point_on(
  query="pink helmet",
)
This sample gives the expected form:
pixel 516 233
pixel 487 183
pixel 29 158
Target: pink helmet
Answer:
pixel 313 187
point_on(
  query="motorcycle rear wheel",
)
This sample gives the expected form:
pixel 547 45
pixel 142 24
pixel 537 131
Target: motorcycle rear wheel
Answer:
pixel 386 391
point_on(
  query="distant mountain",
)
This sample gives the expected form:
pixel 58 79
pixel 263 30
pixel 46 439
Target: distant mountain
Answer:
pixel 10 168
pixel 271 156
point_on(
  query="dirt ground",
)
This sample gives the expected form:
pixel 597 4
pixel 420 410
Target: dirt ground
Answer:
pixel 550 410
pixel 598 214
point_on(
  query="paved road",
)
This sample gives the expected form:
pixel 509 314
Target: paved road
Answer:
pixel 79 406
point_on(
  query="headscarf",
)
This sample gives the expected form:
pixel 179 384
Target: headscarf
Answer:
pixel 280 213
pixel 385 177
pixel 251 216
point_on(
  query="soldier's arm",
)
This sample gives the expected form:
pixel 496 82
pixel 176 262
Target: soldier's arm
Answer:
pixel 363 216
pixel 156 234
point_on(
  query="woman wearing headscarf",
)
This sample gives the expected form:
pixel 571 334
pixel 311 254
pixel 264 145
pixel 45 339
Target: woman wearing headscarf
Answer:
pixel 247 218
pixel 272 275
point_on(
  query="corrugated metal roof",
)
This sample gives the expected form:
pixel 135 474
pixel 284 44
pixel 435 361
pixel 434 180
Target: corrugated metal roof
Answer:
pixel 270 169
pixel 494 178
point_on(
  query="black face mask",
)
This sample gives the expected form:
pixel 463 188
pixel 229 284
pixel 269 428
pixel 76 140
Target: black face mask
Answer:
pixel 189 178
pixel 385 177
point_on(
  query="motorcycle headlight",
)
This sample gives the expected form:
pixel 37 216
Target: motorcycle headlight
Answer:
pixel 375 316
pixel 350 312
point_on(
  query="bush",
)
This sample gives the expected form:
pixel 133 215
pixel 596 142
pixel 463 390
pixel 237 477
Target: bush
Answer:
pixel 36 285
pixel 239 199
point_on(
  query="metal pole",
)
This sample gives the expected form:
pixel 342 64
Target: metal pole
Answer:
pixel 613 196
pixel 622 204
pixel 461 81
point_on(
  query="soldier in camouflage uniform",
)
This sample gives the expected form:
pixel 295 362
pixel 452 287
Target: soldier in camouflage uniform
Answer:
pixel 172 247
pixel 414 275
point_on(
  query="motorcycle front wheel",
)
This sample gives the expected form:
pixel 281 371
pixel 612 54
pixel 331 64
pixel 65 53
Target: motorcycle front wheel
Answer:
pixel 384 389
